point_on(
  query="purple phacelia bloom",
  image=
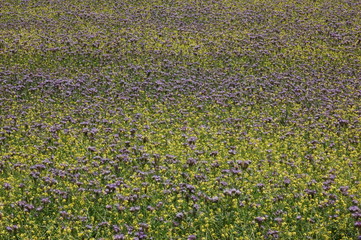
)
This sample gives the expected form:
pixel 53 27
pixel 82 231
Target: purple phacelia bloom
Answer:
pixel 273 233
pixel 116 228
pixel 196 207
pixel 191 161
pixel 45 200
pixel 344 190
pixel 354 209
pixel 192 140
pixel 103 224
pixel 192 237
pixel 38 209
pixel 64 213
pixel 312 193
pixel 12 228
pixel 38 167
pixel 7 186
pixel 214 199
pixel 29 207
pixel 244 164
pixel 119 237
pixel 287 181
pixel 134 209
pixel 150 208
pixel 260 219
pixel 140 235
pixel 92 149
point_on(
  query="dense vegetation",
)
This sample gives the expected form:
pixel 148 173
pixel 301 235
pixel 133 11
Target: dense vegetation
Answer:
pixel 180 119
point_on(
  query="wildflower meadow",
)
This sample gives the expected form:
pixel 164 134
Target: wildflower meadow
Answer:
pixel 179 119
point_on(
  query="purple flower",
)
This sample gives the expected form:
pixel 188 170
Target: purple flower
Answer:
pixel 134 209
pixel 273 233
pixel 92 149
pixel 214 199
pixel 116 228
pixel 140 235
pixel 356 215
pixel 196 207
pixel 344 190
pixel 64 213
pixel 7 186
pixel 311 193
pixel 12 228
pixel 119 237
pixel 244 164
pixel 150 208
pixel 179 215
pixel 192 140
pixel 192 237
pixel 260 219
pixel 287 181
pixel 45 200
pixel 103 224
pixel 354 209
pixel 191 161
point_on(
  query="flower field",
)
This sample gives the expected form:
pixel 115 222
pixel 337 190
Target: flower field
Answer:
pixel 180 119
